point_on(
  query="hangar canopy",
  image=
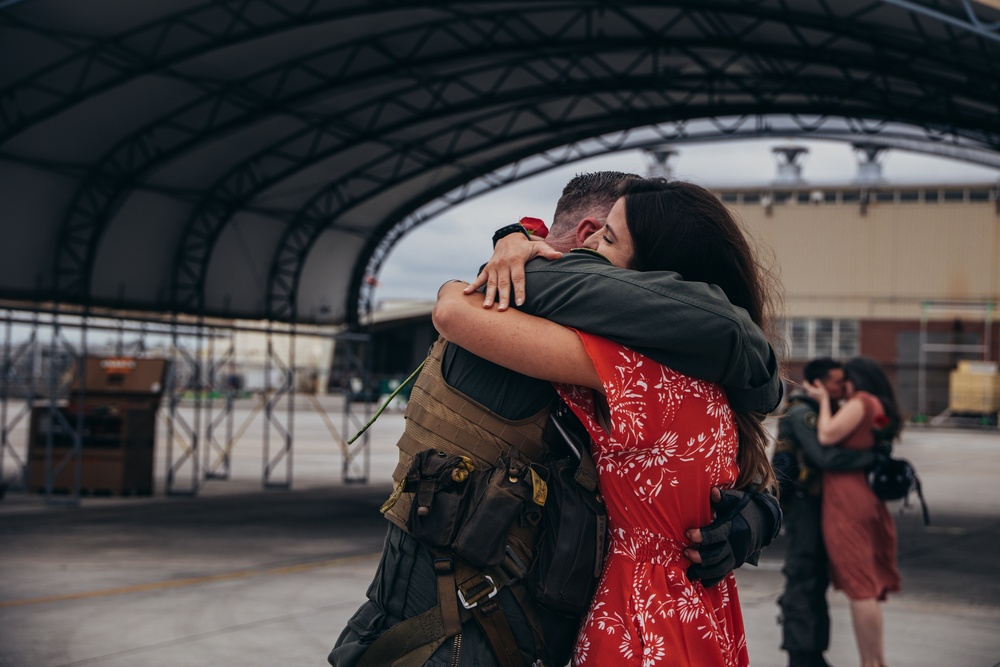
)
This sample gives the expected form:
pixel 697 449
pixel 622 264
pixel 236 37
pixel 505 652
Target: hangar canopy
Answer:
pixel 257 159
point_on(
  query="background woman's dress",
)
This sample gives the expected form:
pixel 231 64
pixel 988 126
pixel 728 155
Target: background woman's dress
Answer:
pixel 672 438
pixel 858 530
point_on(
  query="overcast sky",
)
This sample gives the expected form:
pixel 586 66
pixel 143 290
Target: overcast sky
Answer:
pixel 456 243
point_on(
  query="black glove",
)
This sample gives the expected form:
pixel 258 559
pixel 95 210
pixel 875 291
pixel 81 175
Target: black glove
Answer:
pixel 744 524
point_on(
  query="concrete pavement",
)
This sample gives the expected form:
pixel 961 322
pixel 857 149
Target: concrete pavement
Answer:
pixel 242 576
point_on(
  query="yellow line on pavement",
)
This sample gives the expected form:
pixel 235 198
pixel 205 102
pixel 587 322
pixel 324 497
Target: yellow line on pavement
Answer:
pixel 190 581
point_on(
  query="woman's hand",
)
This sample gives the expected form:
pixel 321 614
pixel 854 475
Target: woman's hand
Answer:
pixel 817 391
pixel 506 269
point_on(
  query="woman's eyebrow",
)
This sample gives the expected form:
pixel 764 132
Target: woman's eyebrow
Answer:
pixel 611 230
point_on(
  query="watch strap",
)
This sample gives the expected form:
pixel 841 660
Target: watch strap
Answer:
pixel 508 230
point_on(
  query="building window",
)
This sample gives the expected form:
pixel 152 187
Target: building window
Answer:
pixel 808 338
pixel 847 339
pixel 799 338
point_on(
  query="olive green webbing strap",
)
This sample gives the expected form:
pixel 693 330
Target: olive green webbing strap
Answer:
pixel 531 616
pixel 451 619
pixel 490 615
pixel 409 643
pixel 493 621
pixel 586 472
pixel 475 583
pixel 412 641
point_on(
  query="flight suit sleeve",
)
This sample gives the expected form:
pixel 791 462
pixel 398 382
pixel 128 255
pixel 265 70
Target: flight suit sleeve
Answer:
pixel 690 327
pixel 800 426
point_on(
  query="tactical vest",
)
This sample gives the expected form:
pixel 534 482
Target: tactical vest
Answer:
pixel 795 475
pixel 442 418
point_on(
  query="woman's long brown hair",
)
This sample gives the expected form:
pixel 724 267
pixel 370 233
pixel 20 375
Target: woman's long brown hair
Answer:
pixel 682 227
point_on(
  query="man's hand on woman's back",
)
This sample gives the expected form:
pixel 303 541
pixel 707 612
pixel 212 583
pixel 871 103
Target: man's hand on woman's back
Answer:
pixel 745 523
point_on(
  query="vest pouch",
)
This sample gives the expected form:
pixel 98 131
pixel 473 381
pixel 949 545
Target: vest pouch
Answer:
pixel 497 499
pixel 570 546
pixel 440 483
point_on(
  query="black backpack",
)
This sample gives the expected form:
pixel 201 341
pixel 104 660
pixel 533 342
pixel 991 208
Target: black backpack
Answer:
pixel 893 479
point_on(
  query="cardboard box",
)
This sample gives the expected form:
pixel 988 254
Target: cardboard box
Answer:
pixel 974 387
pixel 114 408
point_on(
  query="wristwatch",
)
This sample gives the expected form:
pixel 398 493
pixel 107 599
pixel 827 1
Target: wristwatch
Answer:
pixel 508 230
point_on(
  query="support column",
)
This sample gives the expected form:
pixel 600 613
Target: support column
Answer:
pixel 357 459
pixel 217 455
pixel 59 458
pixel 177 425
pixel 271 421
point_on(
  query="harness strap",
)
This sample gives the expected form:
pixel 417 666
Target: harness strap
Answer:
pixel 531 616
pixel 409 643
pixel 493 621
pixel 450 620
pixel 412 641
pixel 478 588
pixel 586 473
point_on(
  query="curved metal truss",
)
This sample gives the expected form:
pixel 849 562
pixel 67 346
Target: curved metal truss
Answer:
pixel 363 119
pixel 708 130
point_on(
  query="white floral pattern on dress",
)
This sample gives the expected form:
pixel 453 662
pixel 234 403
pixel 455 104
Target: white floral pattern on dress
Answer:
pixel 672 438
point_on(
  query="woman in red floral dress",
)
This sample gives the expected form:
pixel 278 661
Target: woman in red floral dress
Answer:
pixel 661 440
pixel 858 530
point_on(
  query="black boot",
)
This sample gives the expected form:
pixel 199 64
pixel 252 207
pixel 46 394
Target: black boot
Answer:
pixel 806 659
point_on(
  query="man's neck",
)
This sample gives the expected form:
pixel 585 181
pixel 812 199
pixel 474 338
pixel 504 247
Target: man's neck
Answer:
pixel 562 243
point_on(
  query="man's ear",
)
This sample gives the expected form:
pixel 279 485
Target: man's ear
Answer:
pixel 585 228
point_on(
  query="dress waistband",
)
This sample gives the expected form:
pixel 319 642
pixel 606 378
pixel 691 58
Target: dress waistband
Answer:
pixel 645 546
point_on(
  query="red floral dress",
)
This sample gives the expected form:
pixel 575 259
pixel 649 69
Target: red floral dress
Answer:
pixel 672 438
